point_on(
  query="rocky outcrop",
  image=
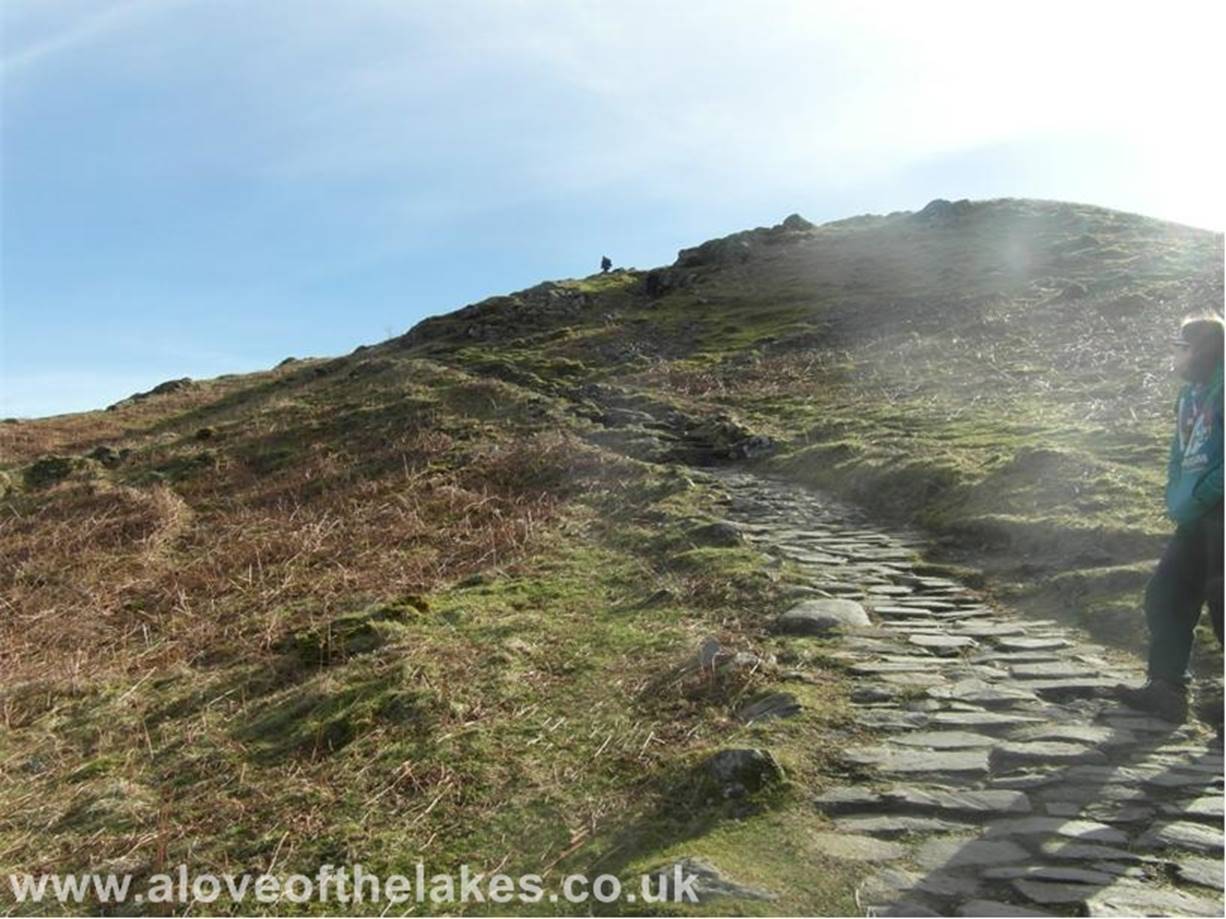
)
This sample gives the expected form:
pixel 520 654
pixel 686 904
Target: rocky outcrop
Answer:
pixel 162 389
pixel 536 309
pixel 741 247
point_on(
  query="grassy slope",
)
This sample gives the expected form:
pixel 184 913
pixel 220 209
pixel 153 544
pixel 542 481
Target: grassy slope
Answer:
pixel 188 669
pixel 385 610
pixel 999 376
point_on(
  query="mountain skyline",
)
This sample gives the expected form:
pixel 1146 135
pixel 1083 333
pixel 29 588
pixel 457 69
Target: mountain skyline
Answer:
pixel 193 189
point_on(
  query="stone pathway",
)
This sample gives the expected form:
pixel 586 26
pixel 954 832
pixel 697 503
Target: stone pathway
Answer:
pixel 1002 784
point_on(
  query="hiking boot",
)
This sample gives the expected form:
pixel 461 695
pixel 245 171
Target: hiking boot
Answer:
pixel 1209 707
pixel 1162 698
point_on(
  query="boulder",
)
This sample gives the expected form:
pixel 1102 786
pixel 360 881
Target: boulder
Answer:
pixel 817 617
pixel 739 771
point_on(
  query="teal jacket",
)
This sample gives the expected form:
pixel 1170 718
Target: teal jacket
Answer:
pixel 1194 472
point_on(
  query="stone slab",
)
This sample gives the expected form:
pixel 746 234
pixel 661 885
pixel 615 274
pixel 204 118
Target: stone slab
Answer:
pixel 817 617
pixel 976 802
pixel 996 908
pixel 1208 807
pixel 1081 830
pixel 1182 834
pixel 1204 871
pixel 1030 644
pixel 1147 900
pixel 944 740
pixel 1050 752
pixel 951 852
pixel 1050 671
pixel 895 825
pixel 942 642
pixel 848 847
pixel 893 759
pixel 981 719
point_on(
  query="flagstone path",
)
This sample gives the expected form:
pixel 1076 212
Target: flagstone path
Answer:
pixel 1002 782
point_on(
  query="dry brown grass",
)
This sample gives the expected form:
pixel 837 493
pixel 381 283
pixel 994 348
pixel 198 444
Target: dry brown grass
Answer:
pixel 100 579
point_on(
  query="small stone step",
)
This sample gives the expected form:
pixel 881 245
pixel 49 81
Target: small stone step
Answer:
pixel 981 719
pixel 1182 834
pixel 996 908
pixel 1009 754
pixel 849 847
pixel 945 740
pixel 1208 807
pixel 952 852
pixel 942 642
pixel 1204 871
pixel 975 802
pixel 1082 830
pixel 895 825
pixel 893 759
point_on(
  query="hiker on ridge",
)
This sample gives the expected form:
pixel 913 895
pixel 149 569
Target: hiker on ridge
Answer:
pixel 1190 572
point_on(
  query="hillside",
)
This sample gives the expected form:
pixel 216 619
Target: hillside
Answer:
pixel 423 601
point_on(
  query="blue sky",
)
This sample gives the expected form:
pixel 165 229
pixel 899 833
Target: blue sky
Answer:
pixel 196 187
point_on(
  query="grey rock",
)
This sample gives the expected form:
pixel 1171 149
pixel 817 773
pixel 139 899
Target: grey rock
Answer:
pixel 1051 892
pixel 1142 724
pixel 891 884
pixel 738 771
pixel 895 825
pixel 1178 779
pixel 1204 871
pixel 1048 873
pixel 890 719
pixel 955 801
pixel 996 908
pixel 1009 754
pixel 772 705
pixel 847 847
pixel 1182 834
pixel 1208 806
pixel 1097 734
pixel 1137 900
pixel 1030 644
pixel 940 643
pixel 913 679
pixel 901 908
pixel 817 617
pixel 1072 688
pixel 1086 852
pixel 847 798
pixel 916 665
pixel 953 852
pixel 902 612
pixel 1118 870
pixel 889 590
pixel 1014 657
pixel 874 692
pixel 944 740
pixel 986 631
pixel 1106 811
pixel 981 719
pixel 709 882
pixel 1051 671
pixel 1083 830
pixel 892 759
pixel 982 693
pixel 715 533
pixel 1087 794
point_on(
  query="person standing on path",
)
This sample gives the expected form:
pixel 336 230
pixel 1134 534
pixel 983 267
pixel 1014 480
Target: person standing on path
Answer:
pixel 1189 575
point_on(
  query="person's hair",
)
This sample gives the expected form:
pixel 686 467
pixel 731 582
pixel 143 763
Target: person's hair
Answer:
pixel 1203 336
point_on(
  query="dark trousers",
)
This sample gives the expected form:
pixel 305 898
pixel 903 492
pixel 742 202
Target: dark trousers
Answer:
pixel 1188 577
